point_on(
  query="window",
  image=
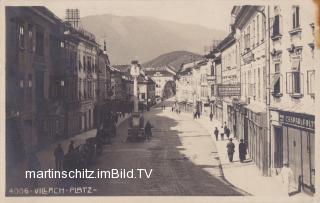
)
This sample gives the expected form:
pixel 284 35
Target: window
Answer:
pixel 295 17
pixel 84 63
pixel 39 43
pixel 258 30
pixel 31 42
pixel 253 33
pixel 294 83
pixel 276 22
pixel 276 25
pixel 258 83
pixel 21 36
pixel 277 67
pixel 263 27
pixel 311 82
pixel 276 84
pixel 254 83
pixel 247 39
pixel 143 95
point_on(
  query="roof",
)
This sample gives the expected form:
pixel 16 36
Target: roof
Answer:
pixel 227 42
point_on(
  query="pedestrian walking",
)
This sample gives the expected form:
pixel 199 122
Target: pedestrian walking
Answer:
pixel 71 146
pixel 58 156
pixel 230 150
pixel 242 150
pixel 287 178
pixel 227 132
pixel 225 127
pixel 211 116
pixel 147 131
pixel 222 133
pixel 216 133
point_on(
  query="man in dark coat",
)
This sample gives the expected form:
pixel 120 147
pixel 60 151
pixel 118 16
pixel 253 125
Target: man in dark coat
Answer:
pixel 242 150
pixel 216 133
pixel 71 146
pixel 211 116
pixel 230 150
pixel 147 130
pixel 227 132
pixel 58 155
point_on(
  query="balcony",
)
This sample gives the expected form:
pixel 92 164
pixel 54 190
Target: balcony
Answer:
pixel 276 37
pixel 295 31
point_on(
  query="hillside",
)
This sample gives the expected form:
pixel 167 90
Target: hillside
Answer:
pixel 145 38
pixel 173 59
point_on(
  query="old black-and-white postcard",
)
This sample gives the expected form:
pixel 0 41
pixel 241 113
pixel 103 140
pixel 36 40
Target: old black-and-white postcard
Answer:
pixel 160 98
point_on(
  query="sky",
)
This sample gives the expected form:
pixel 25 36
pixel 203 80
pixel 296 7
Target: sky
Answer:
pixel 211 14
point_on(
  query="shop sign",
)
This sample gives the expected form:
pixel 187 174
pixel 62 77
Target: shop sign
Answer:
pixel 229 90
pixel 297 119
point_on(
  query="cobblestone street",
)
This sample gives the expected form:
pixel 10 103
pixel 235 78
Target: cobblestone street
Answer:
pixel 182 155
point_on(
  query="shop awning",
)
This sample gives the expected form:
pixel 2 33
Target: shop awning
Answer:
pixel 296 65
pixel 256 107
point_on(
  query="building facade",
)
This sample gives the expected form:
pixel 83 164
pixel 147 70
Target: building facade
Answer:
pixel 163 76
pixel 34 79
pixel 292 88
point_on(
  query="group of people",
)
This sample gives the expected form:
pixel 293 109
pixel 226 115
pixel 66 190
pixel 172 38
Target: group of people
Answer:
pixel 196 114
pixel 59 154
pixel 242 150
pixel 224 130
pixel 176 108
pixel 163 107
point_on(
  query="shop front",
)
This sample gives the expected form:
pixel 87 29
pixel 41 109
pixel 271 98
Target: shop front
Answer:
pixel 257 138
pixel 239 118
pixel 294 143
pixel 219 113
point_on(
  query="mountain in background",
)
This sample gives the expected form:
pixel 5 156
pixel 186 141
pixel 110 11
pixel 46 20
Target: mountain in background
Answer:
pixel 173 59
pixel 145 38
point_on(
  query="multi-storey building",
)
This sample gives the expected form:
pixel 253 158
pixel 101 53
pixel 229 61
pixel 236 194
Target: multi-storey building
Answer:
pixel 51 78
pixel 116 85
pixel 34 78
pixel 164 78
pixel 103 86
pixel 250 25
pixel 229 90
pixel 184 88
pixel 292 87
pixel 82 79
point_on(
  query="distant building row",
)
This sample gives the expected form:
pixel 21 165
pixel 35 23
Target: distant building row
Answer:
pixel 260 79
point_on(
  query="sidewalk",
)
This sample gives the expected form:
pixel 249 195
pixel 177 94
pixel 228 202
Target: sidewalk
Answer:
pixel 245 176
pixel 46 157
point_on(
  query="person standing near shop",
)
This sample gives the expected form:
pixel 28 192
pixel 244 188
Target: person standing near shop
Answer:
pixel 227 132
pixel 242 150
pixel 287 177
pixel 230 150
pixel 216 133
pixel 211 116
pixel 222 133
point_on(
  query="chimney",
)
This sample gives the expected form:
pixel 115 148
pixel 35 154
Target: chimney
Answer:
pixel 73 17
